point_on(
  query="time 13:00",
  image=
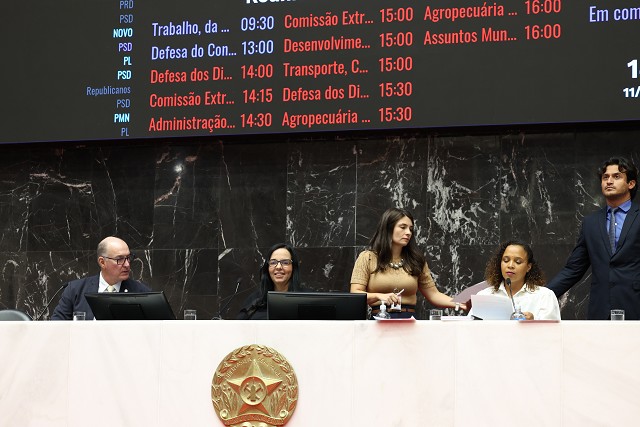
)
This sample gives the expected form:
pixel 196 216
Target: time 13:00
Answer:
pixel 260 47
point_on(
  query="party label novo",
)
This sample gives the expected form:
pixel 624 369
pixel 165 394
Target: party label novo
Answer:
pixel 254 386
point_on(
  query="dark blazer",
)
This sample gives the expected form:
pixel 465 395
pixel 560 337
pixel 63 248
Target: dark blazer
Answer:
pixel 73 299
pixel 615 278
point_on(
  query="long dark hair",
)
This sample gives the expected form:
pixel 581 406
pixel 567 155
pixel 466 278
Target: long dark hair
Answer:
pixel 266 284
pixel 624 166
pixel 381 242
pixel 493 272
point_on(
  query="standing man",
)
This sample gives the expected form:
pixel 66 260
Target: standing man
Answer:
pixel 609 242
pixel 114 259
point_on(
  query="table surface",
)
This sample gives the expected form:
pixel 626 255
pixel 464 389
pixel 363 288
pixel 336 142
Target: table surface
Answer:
pixel 436 373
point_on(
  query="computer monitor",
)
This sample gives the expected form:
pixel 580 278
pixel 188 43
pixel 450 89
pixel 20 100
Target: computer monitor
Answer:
pixel 130 306
pixel 316 306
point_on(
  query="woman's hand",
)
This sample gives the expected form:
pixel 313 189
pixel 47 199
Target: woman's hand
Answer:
pixel 460 307
pixel 389 298
pixel 528 315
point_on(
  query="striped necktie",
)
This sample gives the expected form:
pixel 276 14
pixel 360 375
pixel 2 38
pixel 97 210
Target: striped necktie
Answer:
pixel 612 229
pixel 111 288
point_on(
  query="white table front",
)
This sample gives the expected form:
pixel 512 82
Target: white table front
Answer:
pixel 422 373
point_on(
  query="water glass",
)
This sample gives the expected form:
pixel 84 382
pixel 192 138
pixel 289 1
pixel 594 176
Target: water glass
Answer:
pixel 435 314
pixel 190 315
pixel 79 315
pixel 617 314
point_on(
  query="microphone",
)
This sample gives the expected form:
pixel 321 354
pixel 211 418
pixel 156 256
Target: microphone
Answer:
pixel 226 304
pixel 507 282
pixel 50 301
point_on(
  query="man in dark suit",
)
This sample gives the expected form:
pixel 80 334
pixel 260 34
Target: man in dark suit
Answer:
pixel 609 242
pixel 114 259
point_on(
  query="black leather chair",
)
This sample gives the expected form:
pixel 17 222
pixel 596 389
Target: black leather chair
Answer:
pixel 11 314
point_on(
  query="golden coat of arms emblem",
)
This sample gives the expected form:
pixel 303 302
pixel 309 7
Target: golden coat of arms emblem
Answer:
pixel 254 386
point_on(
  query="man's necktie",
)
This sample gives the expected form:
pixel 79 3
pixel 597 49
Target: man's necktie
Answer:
pixel 612 229
pixel 111 288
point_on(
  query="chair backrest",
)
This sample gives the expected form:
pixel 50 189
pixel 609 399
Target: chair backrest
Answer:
pixel 11 314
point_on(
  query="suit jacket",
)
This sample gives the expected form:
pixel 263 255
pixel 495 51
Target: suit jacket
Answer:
pixel 73 299
pixel 615 277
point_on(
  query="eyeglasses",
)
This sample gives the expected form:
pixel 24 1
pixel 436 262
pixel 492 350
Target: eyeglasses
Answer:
pixel 282 262
pixel 121 260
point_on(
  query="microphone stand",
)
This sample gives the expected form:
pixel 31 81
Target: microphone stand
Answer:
pixel 50 301
pixel 507 282
pixel 517 312
pixel 226 304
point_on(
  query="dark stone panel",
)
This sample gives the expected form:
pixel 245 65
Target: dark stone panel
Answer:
pixel 186 202
pixel 123 198
pixel 187 277
pixel 462 189
pixel 391 173
pixel 15 192
pixel 46 272
pixel 56 189
pixel 537 188
pixel 14 289
pixel 456 267
pixel 253 194
pixel 326 269
pixel 321 193
pixel 235 264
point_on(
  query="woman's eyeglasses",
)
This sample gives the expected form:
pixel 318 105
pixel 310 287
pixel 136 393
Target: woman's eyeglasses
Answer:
pixel 282 262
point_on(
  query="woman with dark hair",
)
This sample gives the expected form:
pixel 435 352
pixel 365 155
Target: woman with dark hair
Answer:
pixel 514 260
pixel 280 272
pixel 393 269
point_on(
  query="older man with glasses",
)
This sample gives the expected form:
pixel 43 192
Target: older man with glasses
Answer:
pixel 114 259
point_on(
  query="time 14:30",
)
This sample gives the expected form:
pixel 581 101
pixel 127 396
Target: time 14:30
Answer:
pixel 257 120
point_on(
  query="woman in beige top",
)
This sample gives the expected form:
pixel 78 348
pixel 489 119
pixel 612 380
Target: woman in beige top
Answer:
pixel 393 269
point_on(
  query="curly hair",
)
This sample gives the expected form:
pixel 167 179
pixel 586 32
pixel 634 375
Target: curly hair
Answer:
pixel 381 243
pixel 625 167
pixel 493 273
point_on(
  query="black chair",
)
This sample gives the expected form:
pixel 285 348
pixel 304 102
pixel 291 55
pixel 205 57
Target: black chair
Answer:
pixel 11 314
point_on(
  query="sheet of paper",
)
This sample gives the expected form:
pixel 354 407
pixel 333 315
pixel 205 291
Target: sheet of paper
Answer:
pixel 491 307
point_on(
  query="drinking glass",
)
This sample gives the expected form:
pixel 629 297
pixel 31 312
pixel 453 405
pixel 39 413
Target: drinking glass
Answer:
pixel 617 314
pixel 435 314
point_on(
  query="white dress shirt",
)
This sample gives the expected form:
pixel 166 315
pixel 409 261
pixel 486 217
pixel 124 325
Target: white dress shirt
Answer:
pixel 102 285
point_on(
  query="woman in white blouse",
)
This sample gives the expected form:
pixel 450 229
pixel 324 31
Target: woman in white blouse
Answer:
pixel 514 260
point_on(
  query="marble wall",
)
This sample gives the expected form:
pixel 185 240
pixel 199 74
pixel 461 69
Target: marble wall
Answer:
pixel 200 214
